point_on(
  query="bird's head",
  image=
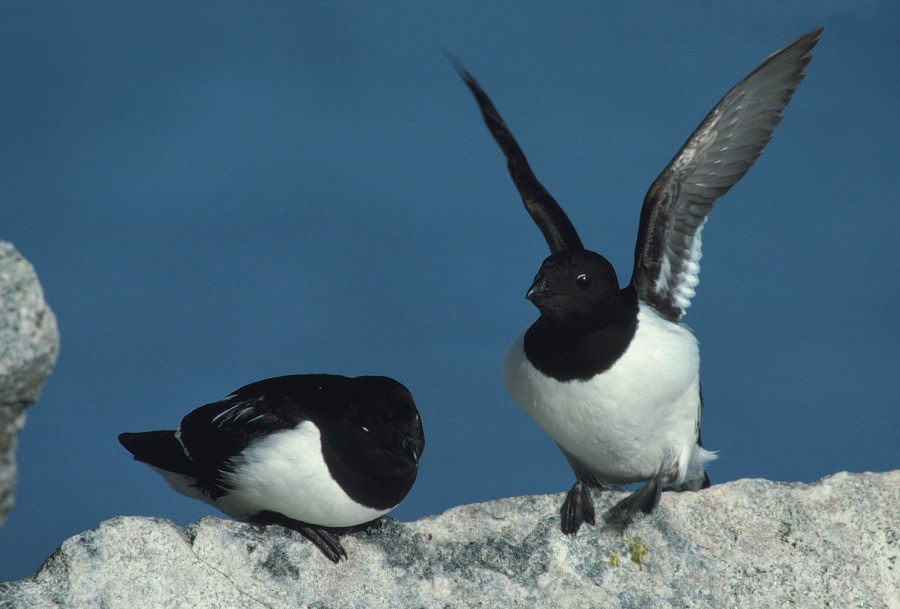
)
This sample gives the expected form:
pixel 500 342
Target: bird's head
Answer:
pixel 575 287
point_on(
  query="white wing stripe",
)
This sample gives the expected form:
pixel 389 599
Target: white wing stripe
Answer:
pixel 715 157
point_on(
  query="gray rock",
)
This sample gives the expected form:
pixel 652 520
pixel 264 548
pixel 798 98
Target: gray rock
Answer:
pixel 750 543
pixel 29 343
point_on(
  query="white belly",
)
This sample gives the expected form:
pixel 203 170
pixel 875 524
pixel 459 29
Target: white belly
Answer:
pixel 631 422
pixel 286 473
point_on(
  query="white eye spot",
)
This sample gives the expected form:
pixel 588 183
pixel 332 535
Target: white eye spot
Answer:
pixel 365 429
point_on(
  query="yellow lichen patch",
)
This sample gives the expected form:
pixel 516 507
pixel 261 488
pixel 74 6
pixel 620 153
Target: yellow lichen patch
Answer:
pixel 614 559
pixel 638 551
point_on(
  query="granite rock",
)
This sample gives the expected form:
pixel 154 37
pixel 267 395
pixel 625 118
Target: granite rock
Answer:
pixel 29 344
pixel 749 543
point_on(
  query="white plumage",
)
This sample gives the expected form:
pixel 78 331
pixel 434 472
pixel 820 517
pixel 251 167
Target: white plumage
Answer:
pixel 282 472
pixel 637 419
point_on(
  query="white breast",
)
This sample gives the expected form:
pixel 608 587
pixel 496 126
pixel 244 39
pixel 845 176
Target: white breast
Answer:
pixel 631 422
pixel 286 473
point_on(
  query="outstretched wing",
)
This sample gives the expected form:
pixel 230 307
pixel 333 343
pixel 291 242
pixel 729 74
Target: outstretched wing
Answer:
pixel 714 158
pixel 553 222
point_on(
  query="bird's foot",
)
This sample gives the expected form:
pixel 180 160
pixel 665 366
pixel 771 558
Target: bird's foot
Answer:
pixel 645 500
pixel 577 508
pixel 323 538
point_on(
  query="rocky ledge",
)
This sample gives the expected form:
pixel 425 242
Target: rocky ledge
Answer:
pixel 750 543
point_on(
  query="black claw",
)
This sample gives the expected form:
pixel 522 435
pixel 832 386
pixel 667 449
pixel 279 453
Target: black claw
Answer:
pixel 576 509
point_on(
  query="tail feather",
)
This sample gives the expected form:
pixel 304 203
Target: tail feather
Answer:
pixel 696 477
pixel 159 449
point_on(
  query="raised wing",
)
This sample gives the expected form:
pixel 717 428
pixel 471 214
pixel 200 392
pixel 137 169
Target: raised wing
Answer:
pixel 714 158
pixel 553 222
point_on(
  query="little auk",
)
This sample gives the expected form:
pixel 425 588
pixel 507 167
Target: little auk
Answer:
pixel 609 372
pixel 317 453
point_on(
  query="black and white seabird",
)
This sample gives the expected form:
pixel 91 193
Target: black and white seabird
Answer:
pixel 610 373
pixel 316 453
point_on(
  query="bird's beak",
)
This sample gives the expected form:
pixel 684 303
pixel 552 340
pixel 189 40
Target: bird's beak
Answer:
pixel 411 449
pixel 538 290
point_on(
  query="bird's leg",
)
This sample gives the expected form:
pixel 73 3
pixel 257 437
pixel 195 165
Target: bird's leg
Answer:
pixel 577 508
pixel 324 539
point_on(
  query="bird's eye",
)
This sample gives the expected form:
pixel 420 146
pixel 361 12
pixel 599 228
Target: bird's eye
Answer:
pixel 582 281
pixel 365 429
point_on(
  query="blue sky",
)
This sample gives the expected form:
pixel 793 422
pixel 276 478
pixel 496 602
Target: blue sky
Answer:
pixel 217 193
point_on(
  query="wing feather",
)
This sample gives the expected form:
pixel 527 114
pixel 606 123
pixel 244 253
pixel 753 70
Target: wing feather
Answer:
pixel 554 224
pixel 212 434
pixel 717 155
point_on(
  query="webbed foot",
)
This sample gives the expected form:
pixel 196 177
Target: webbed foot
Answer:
pixel 577 509
pixel 645 499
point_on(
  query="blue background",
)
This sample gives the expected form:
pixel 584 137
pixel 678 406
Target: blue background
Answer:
pixel 217 193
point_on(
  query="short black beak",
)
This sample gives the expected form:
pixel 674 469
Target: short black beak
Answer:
pixel 411 449
pixel 538 290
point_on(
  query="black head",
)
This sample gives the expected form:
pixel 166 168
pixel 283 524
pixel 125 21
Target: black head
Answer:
pixel 575 287
pixel 374 440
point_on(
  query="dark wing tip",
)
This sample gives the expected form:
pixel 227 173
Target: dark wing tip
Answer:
pixel 800 47
pixel 555 226
pixel 810 38
pixel 459 67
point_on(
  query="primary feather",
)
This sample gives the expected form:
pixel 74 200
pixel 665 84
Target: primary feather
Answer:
pixel 714 158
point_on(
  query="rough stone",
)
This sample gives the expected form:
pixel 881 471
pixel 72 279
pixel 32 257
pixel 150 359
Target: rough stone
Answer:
pixel 750 543
pixel 29 344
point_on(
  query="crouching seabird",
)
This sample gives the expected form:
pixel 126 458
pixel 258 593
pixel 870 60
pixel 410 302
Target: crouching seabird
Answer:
pixel 316 453
pixel 609 373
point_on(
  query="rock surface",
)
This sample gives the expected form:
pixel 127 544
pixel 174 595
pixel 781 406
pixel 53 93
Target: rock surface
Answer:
pixel 750 543
pixel 29 343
